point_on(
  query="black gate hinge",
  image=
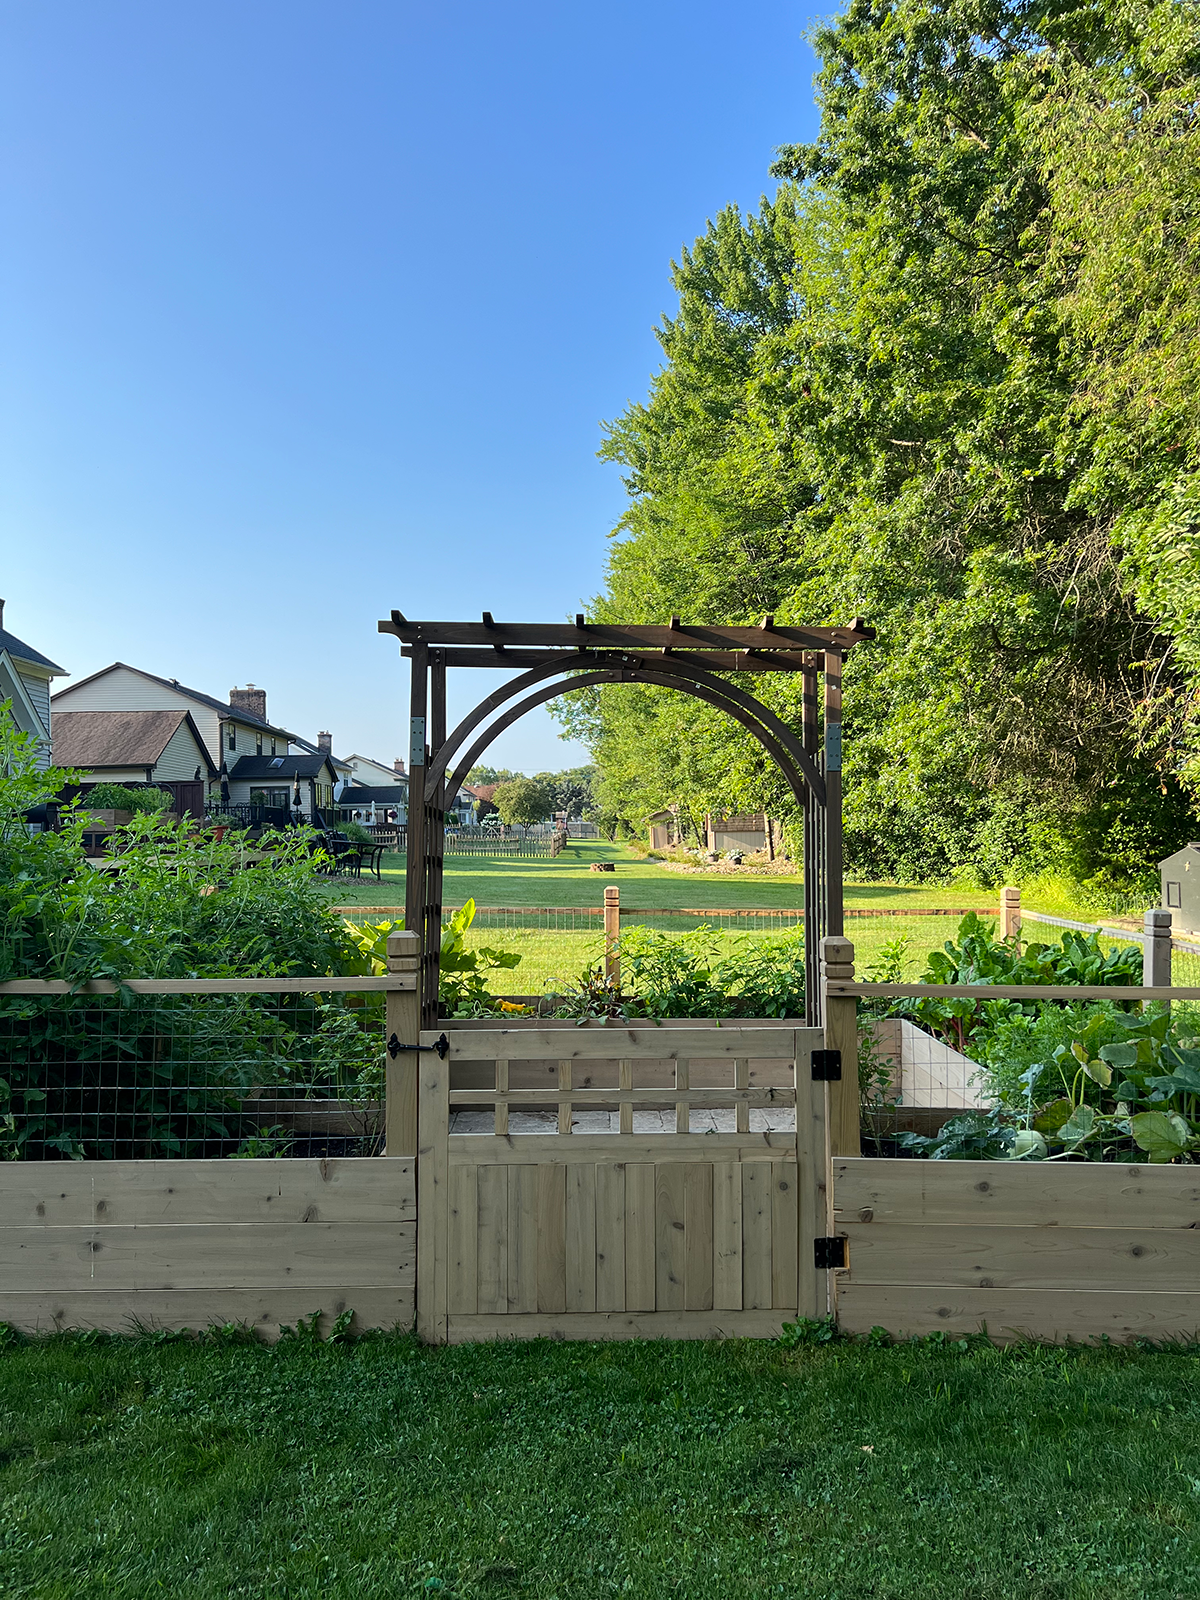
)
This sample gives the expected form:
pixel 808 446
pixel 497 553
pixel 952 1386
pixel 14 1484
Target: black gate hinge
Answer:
pixel 830 1252
pixel 442 1046
pixel 827 1066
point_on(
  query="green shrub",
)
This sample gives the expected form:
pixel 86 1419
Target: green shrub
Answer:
pixel 117 797
pixel 704 973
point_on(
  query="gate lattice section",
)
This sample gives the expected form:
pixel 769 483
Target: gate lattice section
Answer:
pixel 649 1181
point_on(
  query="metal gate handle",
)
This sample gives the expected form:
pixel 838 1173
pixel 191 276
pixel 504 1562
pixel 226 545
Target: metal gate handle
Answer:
pixel 441 1046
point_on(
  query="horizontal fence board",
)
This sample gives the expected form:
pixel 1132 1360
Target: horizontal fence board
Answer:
pixel 604 1073
pixel 151 1256
pixel 1034 1194
pixel 59 1193
pixel 481 1149
pixel 1004 991
pixel 168 986
pixel 1010 1314
pixel 664 1096
pixel 518 1025
pixel 621 1325
pixel 120 1311
pixel 500 1044
pixel 1153 1260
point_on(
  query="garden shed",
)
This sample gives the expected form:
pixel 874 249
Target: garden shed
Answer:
pixel 1180 876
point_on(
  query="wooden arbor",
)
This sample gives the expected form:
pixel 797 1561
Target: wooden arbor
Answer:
pixel 554 658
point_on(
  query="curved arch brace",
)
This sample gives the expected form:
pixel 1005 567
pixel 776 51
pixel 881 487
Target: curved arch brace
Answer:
pixel 672 676
pixel 439 759
pixel 797 780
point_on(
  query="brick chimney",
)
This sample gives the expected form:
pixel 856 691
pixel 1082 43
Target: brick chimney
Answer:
pixel 250 699
pixel 325 743
pixel 398 765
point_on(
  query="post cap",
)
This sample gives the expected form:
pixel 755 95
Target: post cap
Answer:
pixel 402 944
pixel 1158 917
pixel 836 950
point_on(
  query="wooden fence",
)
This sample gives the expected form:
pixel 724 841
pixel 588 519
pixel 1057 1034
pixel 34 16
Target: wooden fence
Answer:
pixel 1079 1250
pixel 187 1243
pixel 1053 1250
pixel 179 1244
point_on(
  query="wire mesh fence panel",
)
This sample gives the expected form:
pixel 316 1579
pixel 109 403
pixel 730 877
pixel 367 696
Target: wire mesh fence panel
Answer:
pixel 134 1076
pixel 1185 966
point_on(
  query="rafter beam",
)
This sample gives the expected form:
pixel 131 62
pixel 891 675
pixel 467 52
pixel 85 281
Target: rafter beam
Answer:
pixel 609 636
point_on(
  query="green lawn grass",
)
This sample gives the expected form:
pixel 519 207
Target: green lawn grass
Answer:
pixel 571 1472
pixel 567 881
pixel 550 958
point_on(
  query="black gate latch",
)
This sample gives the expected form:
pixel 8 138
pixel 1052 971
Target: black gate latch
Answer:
pixel 442 1046
pixel 830 1252
pixel 827 1066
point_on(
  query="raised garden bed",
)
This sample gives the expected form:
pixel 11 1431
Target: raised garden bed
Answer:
pixel 1072 1250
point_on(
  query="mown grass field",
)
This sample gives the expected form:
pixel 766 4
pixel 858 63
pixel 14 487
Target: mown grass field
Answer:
pixel 555 950
pixel 567 881
pixel 571 1472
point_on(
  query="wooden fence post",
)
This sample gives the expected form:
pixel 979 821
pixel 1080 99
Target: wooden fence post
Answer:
pixel 402 1021
pixel 839 1017
pixel 612 936
pixel 1010 913
pixel 1156 948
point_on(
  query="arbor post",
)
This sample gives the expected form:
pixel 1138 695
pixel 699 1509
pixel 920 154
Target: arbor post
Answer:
pixel 1010 913
pixel 839 1018
pixel 402 1022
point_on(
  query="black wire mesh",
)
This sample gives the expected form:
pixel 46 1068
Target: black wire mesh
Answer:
pixel 132 1076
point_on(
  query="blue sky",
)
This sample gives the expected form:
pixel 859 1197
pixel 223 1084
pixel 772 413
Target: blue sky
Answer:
pixel 312 310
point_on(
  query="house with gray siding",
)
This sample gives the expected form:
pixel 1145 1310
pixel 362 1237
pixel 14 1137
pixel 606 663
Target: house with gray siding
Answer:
pixel 25 677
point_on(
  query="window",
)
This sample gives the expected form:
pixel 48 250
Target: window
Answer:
pixel 233 736
pixel 1174 894
pixel 258 744
pixel 272 747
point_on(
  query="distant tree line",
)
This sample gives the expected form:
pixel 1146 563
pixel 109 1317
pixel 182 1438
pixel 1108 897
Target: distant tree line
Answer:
pixel 516 798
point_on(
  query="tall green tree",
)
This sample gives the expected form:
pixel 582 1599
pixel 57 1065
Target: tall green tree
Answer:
pixel 879 400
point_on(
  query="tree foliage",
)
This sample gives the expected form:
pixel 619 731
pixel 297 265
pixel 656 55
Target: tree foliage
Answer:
pixel 524 801
pixel 945 378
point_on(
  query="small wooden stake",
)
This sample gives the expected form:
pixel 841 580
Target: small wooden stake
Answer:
pixel 612 937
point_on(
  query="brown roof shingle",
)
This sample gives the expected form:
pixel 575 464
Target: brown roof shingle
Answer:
pixel 113 738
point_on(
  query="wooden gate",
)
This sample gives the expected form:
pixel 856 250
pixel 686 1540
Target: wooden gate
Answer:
pixel 605 1182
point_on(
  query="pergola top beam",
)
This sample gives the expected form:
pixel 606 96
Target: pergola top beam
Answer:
pixel 714 660
pixel 592 635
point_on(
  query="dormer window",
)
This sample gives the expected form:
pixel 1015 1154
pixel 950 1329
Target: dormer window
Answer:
pixel 258 744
